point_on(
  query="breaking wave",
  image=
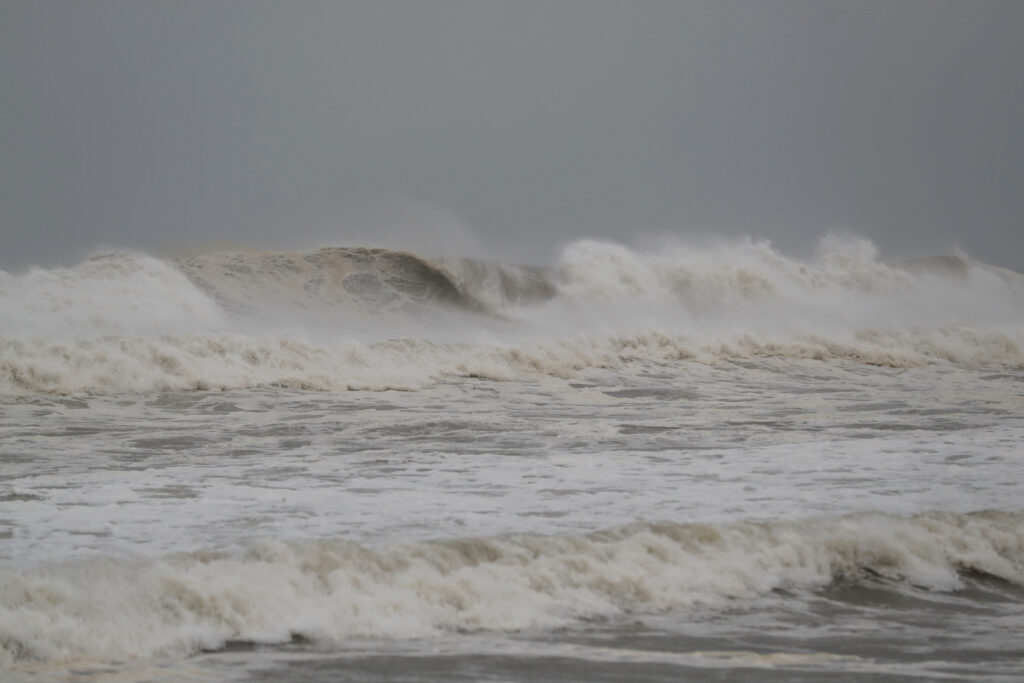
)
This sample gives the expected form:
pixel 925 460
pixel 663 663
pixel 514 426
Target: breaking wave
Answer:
pixel 109 608
pixel 361 318
pixel 377 280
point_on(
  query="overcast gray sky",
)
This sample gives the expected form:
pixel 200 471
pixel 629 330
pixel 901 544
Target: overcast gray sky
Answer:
pixel 515 125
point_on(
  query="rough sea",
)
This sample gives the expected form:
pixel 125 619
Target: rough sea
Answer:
pixel 690 463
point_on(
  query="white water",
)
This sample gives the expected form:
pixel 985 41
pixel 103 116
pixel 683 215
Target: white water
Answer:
pixel 205 452
pixel 128 322
pixel 335 590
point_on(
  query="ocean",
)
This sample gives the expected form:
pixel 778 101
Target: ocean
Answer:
pixel 354 464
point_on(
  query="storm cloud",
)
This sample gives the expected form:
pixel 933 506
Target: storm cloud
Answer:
pixel 510 126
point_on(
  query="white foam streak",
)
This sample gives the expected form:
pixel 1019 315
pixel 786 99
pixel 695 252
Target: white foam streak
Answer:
pixel 117 609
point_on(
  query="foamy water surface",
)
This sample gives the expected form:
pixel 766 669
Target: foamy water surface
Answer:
pixel 366 465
